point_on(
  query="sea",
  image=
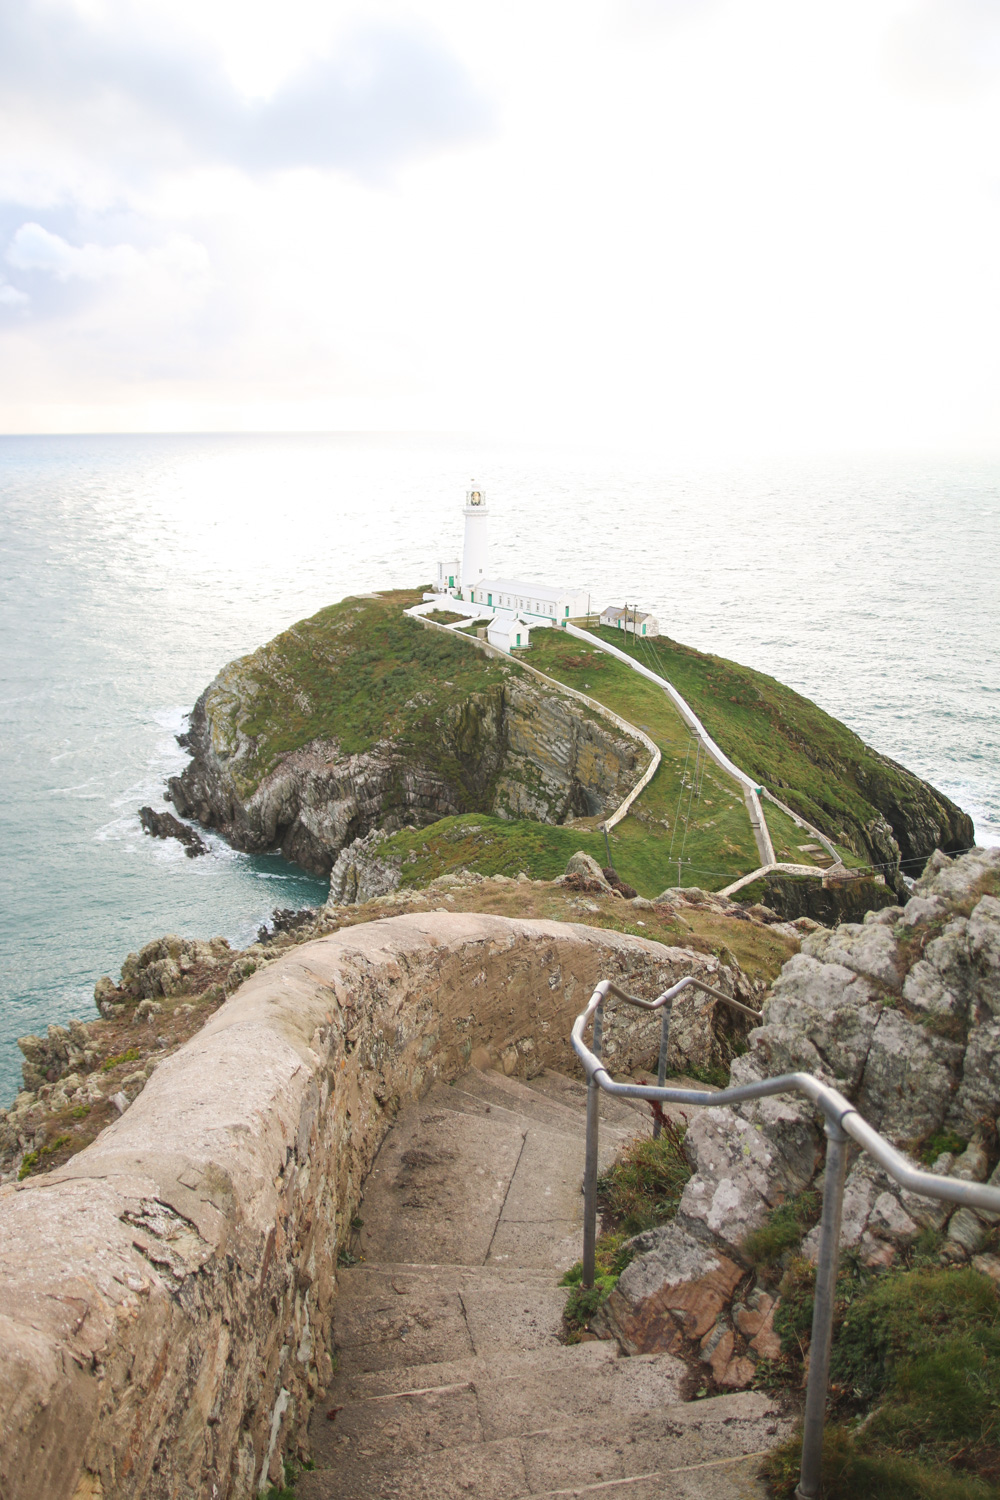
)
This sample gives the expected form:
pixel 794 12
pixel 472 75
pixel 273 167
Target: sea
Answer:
pixel 133 568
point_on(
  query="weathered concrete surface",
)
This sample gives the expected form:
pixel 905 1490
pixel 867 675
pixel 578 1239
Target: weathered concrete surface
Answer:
pixel 160 1295
pixel 452 1379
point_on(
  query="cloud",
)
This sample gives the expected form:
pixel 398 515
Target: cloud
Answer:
pixel 36 249
pixel 64 279
pixel 11 297
pixel 141 95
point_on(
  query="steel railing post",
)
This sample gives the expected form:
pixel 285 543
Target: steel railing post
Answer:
pixel 661 1067
pixel 822 1329
pixel 590 1163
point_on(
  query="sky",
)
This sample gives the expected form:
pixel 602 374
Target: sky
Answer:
pixel 701 225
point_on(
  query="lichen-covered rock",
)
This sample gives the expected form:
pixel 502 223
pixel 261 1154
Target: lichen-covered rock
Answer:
pixel 740 1173
pixel 360 875
pixel 671 1293
pixel 582 863
pixel 901 1013
pixel 909 1077
pixel 870 949
pixel 828 1006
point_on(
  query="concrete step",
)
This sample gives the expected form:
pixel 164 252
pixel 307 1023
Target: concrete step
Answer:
pixel 541 1223
pixel 388 1323
pixel 439 1447
pixel 452 1380
pixel 455 1188
pixel 512 1094
pixel 437 1188
pixel 551 1357
pixel 497 1396
pixel 450 1096
pixel 630 1115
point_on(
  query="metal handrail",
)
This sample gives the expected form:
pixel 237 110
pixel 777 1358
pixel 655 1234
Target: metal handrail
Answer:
pixel 842 1121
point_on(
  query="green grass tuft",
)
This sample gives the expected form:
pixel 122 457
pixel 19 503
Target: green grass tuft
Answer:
pixel 768 1246
pixel 642 1189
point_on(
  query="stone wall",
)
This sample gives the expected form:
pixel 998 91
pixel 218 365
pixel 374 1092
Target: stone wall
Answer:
pixel 164 1296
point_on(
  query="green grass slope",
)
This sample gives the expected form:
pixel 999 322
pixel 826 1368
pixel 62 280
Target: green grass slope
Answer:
pixel 808 758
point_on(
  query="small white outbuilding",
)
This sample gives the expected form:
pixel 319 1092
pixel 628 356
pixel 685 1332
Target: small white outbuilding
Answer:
pixel 630 618
pixel 507 630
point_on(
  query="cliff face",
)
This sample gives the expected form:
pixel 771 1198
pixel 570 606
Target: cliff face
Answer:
pixel 510 750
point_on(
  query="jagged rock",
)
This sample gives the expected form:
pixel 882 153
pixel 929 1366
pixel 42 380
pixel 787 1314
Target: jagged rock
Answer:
pixel 672 1293
pixel 909 1077
pixel 868 949
pixel 739 1175
pixel 60 1051
pixel 163 825
pixel 359 875
pixel 168 966
pixel 584 864
pixel 820 1017
pixel 902 1012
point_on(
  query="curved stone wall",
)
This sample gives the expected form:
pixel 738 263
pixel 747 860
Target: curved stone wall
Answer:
pixel 163 1297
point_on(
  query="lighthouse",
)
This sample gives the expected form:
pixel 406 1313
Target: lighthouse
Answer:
pixel 476 552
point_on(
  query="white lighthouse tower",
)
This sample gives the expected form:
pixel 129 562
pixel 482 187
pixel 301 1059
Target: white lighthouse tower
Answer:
pixel 476 552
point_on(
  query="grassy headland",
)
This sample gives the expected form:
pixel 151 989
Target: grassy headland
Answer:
pixel 360 674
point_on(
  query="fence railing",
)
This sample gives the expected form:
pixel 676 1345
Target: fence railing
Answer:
pixel 842 1123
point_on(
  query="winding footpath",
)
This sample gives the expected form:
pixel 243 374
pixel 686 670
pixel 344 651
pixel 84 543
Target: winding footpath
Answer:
pixel 452 1381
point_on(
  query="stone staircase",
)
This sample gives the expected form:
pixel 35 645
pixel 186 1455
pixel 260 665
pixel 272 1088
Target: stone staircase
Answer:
pixel 451 1378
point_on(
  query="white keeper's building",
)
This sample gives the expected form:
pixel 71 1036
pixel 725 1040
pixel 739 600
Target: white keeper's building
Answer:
pixel 530 603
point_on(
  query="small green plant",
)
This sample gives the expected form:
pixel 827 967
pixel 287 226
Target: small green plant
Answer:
pixel 716 1075
pixel 850 1472
pixel 612 1254
pixel 33 1159
pixel 916 1354
pixel 644 1186
pixel 769 1245
pixel 286 1491
pixel 936 1145
pixel 132 1055
pixel 642 1189
pixel 80 1111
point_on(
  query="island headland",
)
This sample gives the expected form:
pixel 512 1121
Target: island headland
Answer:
pixel 363 719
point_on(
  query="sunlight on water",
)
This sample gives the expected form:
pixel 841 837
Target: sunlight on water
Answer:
pixel 134 568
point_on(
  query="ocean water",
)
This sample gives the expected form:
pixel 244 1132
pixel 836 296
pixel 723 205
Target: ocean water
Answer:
pixel 133 568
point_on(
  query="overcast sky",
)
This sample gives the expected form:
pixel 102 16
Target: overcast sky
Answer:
pixel 697 224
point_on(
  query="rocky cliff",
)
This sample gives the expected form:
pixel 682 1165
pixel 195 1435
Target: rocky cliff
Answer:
pixel 360 719
pixel 902 1014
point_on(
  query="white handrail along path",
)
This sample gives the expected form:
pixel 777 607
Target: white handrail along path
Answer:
pixel 746 783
